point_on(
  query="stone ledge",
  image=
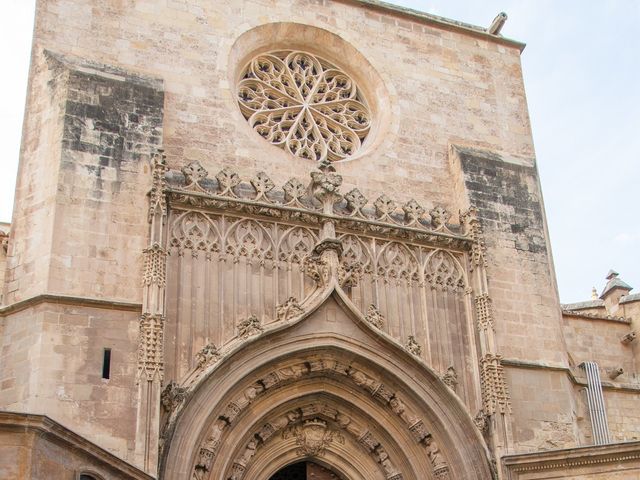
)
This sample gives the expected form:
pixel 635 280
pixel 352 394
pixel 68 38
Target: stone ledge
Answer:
pixel 570 459
pixel 515 363
pixel 442 22
pixel 47 429
pixel 69 300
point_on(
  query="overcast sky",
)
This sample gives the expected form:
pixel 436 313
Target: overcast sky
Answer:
pixel 582 74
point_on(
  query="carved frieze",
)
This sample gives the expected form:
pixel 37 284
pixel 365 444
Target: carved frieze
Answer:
pixel 323 201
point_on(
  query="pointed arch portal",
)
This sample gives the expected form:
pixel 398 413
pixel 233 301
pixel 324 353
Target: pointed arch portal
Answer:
pixel 327 389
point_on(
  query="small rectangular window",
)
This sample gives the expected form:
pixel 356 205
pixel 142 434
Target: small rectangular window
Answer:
pixel 106 363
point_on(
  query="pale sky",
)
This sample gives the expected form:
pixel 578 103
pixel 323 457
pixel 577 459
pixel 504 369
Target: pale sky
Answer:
pixel 582 74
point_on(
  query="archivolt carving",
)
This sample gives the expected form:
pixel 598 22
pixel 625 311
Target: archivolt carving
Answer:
pixel 443 271
pixel 304 104
pixel 380 392
pixel 196 232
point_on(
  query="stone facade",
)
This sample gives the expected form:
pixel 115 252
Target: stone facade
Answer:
pixel 249 234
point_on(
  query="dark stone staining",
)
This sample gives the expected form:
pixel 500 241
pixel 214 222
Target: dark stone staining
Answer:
pixel 494 184
pixel 113 122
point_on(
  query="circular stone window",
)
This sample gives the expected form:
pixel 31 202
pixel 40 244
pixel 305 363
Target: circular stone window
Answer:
pixel 304 104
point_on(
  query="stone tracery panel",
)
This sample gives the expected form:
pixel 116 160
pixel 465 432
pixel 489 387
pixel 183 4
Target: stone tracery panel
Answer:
pixel 304 104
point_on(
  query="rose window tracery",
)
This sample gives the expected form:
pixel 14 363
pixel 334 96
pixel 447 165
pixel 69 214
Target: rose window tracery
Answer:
pixel 304 104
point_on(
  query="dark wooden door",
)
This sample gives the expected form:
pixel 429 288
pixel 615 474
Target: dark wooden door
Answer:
pixel 305 471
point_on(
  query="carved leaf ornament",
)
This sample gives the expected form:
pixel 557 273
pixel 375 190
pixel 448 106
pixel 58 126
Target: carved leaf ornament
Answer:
pixel 304 104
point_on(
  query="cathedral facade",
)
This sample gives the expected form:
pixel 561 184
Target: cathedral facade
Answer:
pixel 289 239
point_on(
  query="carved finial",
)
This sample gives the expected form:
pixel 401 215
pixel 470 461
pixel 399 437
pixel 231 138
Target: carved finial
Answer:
pixel 158 192
pixel 263 185
pixel 355 201
pixel 439 217
pixel 227 180
pixel 594 293
pixel 194 173
pixel 412 212
pixel 413 346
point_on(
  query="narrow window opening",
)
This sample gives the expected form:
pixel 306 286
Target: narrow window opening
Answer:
pixel 106 363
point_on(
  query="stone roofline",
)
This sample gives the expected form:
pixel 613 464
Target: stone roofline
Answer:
pixel 441 22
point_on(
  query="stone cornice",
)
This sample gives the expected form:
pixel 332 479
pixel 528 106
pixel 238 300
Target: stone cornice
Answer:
pixel 595 316
pixel 578 457
pixel 47 428
pixel 442 22
pixel 69 300
pixel 296 202
pixel 516 363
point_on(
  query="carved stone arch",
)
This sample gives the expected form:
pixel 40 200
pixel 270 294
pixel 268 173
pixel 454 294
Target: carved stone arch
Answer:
pixel 196 232
pixel 295 244
pixel 248 238
pixel 443 270
pixel 395 261
pixel 334 332
pixel 356 251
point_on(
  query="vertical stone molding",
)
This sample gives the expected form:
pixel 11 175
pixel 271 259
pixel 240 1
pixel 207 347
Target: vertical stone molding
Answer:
pixel 495 395
pixel 151 333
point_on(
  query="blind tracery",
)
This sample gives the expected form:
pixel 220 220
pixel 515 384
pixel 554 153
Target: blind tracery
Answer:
pixel 304 104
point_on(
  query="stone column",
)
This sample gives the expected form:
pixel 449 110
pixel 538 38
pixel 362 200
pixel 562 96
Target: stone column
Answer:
pixel 150 342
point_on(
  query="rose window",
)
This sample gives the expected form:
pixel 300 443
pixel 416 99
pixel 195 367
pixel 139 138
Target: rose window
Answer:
pixel 304 104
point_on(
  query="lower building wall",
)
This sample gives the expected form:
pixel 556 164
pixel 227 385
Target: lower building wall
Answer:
pixel 51 363
pixel 619 461
pixel 35 447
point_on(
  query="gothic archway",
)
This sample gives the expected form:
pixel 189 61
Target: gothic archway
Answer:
pixel 327 389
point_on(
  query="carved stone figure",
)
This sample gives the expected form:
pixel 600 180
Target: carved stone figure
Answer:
pixel 374 317
pixel 400 409
pixel 172 396
pixel 450 378
pixel 288 310
pixel 207 355
pixel 413 347
pixel 250 326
